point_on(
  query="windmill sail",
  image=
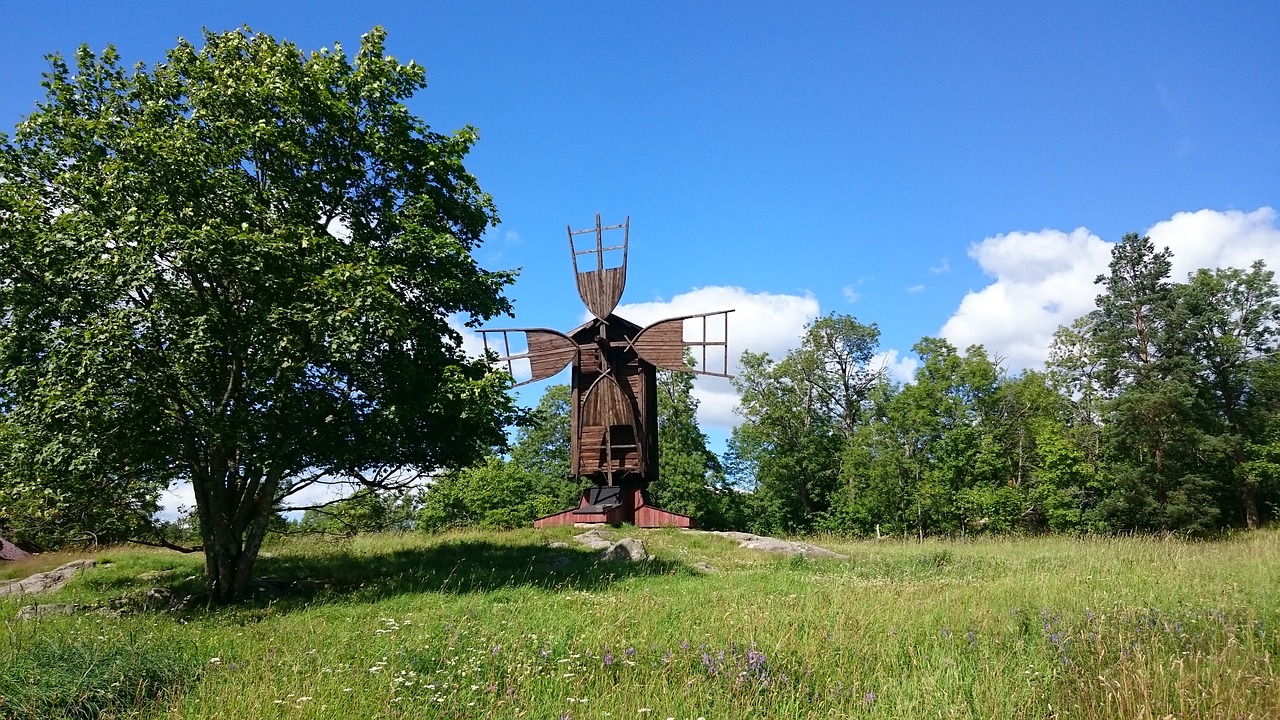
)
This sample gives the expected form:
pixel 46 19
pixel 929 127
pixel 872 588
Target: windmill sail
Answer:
pixel 663 343
pixel 548 352
pixel 600 287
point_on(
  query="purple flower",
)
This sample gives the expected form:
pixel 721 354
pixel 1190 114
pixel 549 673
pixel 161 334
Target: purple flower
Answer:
pixel 869 698
pixel 608 657
pixel 630 651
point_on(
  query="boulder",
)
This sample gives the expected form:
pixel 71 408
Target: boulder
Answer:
pixel 625 550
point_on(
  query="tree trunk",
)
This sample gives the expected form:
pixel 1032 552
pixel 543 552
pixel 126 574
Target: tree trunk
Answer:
pixel 234 513
pixel 1249 496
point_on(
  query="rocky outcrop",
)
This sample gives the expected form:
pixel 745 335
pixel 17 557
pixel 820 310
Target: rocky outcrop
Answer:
pixel 46 581
pixel 774 545
pixel 155 599
pixel 593 540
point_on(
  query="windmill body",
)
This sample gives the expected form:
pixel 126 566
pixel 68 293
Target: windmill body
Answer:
pixel 614 421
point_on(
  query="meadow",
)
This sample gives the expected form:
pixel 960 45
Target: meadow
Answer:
pixel 502 625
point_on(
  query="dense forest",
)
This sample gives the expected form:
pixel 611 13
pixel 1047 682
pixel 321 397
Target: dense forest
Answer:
pixel 1159 411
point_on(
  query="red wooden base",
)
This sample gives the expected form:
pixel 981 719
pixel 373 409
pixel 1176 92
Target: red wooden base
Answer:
pixel 614 506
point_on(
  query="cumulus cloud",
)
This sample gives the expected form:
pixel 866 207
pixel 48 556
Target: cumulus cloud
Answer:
pixel 1045 279
pixel 898 367
pixel 1210 239
pixel 916 289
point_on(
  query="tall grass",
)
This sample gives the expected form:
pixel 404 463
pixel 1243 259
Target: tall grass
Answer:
pixel 502 625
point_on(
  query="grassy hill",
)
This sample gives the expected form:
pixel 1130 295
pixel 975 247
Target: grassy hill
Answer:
pixel 478 625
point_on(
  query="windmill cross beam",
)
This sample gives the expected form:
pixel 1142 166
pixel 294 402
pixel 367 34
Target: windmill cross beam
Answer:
pixel 614 408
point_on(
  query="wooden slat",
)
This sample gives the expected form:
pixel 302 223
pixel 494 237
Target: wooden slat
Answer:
pixel 606 404
pixel 593 456
pixel 549 352
pixel 662 344
pixel 601 289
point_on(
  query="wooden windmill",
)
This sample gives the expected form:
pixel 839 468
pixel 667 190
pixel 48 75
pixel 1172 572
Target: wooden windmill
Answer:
pixel 614 421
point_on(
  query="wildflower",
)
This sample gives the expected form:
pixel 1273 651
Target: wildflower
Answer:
pixel 869 698
pixel 215 661
pixel 630 651
pixel 608 657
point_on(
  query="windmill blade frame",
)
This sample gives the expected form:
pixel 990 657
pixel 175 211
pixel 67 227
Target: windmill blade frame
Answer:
pixel 662 344
pixel 601 288
pixel 548 351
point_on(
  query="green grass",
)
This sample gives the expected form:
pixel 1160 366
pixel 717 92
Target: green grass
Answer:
pixel 500 625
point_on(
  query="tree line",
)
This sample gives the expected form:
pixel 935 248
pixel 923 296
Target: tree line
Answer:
pixel 1157 412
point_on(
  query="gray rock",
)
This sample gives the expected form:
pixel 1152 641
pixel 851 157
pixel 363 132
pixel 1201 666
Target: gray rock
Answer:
pixel 593 540
pixel 774 545
pixel 704 568
pixel 31 612
pixel 625 550
pixel 47 581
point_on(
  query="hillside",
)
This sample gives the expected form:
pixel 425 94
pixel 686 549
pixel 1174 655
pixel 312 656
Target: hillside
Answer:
pixel 503 625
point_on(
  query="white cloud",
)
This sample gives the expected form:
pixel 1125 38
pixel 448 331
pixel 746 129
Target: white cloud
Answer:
pixel 899 368
pixel 941 268
pixel 175 500
pixel 916 289
pixel 1210 239
pixel 1045 279
pixel 761 322
pixel 851 294
pixel 472 344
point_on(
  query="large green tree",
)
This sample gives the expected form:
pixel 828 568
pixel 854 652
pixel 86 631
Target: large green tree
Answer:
pixel 1159 480
pixel 236 268
pixel 1232 321
pixel 798 415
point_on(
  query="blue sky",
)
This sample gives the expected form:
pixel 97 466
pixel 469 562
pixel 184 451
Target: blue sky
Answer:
pixel 935 168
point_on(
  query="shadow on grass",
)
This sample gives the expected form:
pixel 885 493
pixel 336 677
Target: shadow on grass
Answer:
pixel 458 567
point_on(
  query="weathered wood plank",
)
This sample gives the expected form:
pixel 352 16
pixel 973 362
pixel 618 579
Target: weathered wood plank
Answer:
pixel 600 290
